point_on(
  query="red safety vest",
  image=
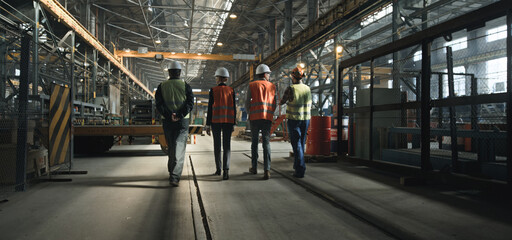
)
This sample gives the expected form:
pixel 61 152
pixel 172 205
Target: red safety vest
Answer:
pixel 263 100
pixel 223 108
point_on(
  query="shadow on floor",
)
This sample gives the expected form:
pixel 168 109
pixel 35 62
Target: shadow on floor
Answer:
pixel 484 202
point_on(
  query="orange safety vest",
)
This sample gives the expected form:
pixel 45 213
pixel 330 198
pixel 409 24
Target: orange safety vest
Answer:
pixel 263 100
pixel 223 108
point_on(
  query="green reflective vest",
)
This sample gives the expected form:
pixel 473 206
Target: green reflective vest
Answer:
pixel 173 92
pixel 300 107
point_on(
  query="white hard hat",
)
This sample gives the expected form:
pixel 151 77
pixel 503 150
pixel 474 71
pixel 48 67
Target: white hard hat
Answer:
pixel 262 68
pixel 222 72
pixel 175 65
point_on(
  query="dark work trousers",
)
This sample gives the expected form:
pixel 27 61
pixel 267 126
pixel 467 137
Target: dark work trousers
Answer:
pixel 298 130
pixel 226 129
pixel 176 134
pixel 263 126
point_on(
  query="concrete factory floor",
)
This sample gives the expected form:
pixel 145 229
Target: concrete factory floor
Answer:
pixel 126 195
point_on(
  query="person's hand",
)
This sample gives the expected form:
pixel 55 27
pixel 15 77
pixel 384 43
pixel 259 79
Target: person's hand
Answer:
pixel 208 130
pixel 174 118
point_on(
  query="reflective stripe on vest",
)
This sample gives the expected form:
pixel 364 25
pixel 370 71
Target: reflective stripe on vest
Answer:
pixel 173 92
pixel 300 107
pixel 223 108
pixel 263 100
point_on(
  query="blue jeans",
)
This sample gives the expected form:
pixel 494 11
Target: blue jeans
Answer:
pixel 226 129
pixel 298 130
pixel 264 127
pixel 176 134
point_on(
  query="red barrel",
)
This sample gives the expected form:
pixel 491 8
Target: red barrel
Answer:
pixel 319 136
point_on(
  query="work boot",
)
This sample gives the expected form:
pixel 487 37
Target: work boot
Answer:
pixel 266 176
pixel 226 175
pixel 173 182
pixel 253 170
pixel 217 172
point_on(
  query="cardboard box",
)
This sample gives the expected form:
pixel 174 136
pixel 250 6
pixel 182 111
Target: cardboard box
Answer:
pixel 238 131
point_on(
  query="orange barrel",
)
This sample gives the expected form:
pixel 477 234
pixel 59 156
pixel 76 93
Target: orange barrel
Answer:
pixel 319 136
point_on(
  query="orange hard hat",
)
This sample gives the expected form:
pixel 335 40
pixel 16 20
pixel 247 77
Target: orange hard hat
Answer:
pixel 298 73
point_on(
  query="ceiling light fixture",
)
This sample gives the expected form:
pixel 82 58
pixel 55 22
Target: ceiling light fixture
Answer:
pixel 158 41
pixel 339 48
pixel 199 54
pixel 302 65
pixel 220 44
pixel 233 16
pixel 173 53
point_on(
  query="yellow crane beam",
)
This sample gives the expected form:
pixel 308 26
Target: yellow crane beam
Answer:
pixel 175 55
pixel 57 10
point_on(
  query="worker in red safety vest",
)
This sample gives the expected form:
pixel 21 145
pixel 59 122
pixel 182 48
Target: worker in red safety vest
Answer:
pixel 261 104
pixel 222 118
pixel 298 113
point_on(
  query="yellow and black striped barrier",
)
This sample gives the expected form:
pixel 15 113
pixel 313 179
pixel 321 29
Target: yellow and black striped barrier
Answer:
pixel 60 125
pixel 195 129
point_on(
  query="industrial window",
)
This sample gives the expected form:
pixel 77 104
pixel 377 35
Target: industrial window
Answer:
pixel 457 44
pixel 459 82
pixel 496 33
pixel 378 15
pixel 417 56
pixel 496 76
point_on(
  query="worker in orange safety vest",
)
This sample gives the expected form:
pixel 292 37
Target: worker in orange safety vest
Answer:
pixel 222 118
pixel 261 104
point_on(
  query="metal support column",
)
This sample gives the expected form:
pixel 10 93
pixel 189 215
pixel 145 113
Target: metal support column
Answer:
pixel 351 117
pixel 35 50
pixel 94 73
pixel 474 113
pixel 372 84
pixel 426 73
pixel 313 8
pixel 72 96
pixel 21 148
pixel 261 44
pixel 509 102
pixel 440 110
pixel 453 124
pixel 416 140
pixel 338 97
pixel 3 65
pixel 272 35
pixel 396 65
pixel 288 20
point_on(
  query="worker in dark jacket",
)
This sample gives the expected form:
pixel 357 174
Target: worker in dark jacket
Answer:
pixel 298 113
pixel 174 101
pixel 221 117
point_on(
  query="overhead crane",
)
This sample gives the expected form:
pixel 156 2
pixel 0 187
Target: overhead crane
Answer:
pixel 195 56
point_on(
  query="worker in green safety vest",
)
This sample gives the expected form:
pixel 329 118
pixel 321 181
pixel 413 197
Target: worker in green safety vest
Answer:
pixel 298 113
pixel 175 100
